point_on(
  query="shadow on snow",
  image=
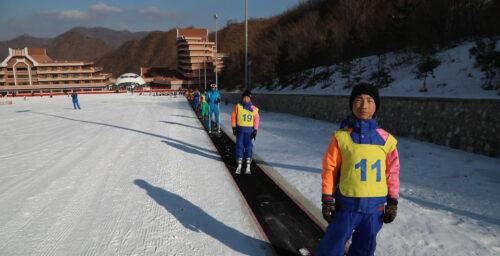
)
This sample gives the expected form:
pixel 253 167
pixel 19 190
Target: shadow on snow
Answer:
pixel 190 148
pixel 195 219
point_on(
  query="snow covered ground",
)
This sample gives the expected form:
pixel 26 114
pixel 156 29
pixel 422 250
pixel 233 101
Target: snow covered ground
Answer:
pixel 137 175
pixel 126 175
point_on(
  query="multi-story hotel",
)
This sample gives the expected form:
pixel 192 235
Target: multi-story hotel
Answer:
pixel 196 57
pixel 31 71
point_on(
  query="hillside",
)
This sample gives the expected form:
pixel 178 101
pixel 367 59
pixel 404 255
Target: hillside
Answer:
pixel 455 77
pixel 75 46
pixel 157 49
pixel 113 38
pixel 323 33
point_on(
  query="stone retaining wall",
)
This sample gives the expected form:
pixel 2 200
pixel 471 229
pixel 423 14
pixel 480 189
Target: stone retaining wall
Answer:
pixel 468 124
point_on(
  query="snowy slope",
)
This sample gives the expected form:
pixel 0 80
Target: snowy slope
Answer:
pixel 137 175
pixel 125 175
pixel 455 77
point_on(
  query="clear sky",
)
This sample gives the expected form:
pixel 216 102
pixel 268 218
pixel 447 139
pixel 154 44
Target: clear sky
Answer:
pixel 49 18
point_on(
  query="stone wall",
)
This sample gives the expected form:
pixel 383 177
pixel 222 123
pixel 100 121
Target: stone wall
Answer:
pixel 467 124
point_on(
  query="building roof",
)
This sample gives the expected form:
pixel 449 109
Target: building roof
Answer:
pixel 39 54
pixel 130 78
pixel 193 32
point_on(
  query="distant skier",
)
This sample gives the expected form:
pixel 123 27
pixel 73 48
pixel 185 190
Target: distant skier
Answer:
pixel 245 123
pixel 196 99
pixel 360 180
pixel 213 99
pixel 74 97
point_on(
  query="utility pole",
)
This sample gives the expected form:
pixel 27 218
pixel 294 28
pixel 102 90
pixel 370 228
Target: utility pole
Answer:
pixel 246 45
pixel 216 59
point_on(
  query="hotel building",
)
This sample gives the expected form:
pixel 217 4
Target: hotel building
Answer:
pixel 29 71
pixel 196 57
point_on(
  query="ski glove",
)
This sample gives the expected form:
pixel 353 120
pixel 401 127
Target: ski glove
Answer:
pixel 217 101
pixel 207 100
pixel 391 210
pixel 235 132
pixel 329 213
pixel 254 134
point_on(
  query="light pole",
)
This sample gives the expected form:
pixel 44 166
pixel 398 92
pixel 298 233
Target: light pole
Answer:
pixel 249 74
pixel 246 45
pixel 216 59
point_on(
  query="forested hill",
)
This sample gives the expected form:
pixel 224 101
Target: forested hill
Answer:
pixel 318 33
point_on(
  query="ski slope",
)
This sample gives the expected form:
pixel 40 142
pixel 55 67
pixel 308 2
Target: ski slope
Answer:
pixel 125 175
pixel 137 175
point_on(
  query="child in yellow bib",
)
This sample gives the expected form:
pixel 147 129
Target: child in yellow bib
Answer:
pixel 245 123
pixel 360 179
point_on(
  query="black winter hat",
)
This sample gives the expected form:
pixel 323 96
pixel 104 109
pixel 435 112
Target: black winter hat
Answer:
pixel 368 89
pixel 246 93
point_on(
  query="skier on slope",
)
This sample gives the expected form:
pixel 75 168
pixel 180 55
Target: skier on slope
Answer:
pixel 213 99
pixel 245 123
pixel 360 180
pixel 74 98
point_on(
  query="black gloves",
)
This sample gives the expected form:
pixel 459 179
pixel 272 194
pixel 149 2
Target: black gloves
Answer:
pixel 207 100
pixel 391 210
pixel 235 132
pixel 329 213
pixel 254 134
pixel 217 100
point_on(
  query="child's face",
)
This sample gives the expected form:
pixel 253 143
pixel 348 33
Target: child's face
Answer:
pixel 363 106
pixel 246 99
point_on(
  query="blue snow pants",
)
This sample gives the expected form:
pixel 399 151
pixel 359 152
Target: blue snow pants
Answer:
pixel 75 104
pixel 244 146
pixel 364 238
pixel 196 102
pixel 213 109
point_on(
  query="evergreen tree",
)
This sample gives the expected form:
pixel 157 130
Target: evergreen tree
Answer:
pixel 488 60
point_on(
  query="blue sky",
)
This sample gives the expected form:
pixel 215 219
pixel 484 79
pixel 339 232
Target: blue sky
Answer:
pixel 49 18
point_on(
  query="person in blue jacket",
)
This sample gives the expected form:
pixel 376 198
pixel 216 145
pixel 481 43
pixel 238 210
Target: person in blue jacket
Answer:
pixel 74 97
pixel 196 99
pixel 213 99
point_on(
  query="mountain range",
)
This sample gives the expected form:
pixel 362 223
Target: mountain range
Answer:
pixel 78 43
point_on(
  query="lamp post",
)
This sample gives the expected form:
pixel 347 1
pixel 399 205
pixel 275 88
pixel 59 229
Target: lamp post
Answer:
pixel 246 45
pixel 249 74
pixel 216 59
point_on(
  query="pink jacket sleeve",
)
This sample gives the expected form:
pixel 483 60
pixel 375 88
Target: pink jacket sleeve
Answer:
pixel 392 168
pixel 256 120
pixel 392 173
